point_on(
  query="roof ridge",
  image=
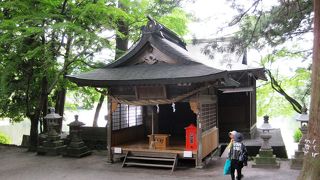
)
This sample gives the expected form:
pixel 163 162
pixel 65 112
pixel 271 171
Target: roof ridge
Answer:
pixel 154 27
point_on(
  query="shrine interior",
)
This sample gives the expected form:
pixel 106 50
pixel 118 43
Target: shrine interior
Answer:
pixel 174 123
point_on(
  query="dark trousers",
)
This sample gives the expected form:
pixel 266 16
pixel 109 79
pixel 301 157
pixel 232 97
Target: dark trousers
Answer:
pixel 236 165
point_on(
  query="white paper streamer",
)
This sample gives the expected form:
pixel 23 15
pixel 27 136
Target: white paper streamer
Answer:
pixel 173 107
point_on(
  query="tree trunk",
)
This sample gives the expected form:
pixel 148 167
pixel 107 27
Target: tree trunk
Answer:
pixel 43 124
pixel 60 101
pixel 311 164
pixel 121 47
pixel 34 118
pixel 33 133
pixel 121 41
pixel 98 108
pixel 61 96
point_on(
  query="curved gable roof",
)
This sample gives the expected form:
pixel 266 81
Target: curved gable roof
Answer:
pixel 122 72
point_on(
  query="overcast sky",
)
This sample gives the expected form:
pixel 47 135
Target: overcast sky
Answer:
pixel 214 14
pixel 210 14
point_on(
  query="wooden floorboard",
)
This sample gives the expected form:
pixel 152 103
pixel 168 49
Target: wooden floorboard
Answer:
pixel 176 146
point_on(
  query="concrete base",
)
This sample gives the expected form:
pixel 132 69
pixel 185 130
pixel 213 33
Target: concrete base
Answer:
pixel 297 160
pixel 296 164
pixel 52 146
pixel 77 149
pixel 265 166
pixel 77 152
pixel 265 159
pixel 50 151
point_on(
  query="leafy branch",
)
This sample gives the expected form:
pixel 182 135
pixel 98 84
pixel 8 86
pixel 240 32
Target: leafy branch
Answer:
pixel 277 87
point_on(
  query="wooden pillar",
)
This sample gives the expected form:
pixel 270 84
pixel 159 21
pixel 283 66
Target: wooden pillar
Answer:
pixel 109 132
pixel 152 122
pixel 254 110
pixel 195 107
pixel 199 163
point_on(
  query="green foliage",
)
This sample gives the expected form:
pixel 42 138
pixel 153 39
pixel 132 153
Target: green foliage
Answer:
pixel 40 41
pixel 260 27
pixel 176 21
pixel 271 103
pixel 297 135
pixel 297 85
pixel 47 39
pixel 166 12
pixel 4 139
pixel 82 98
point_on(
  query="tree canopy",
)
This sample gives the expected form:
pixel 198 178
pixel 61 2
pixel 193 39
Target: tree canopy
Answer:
pixel 42 41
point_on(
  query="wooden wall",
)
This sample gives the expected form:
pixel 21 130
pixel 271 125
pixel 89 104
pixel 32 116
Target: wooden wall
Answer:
pixel 210 141
pixel 128 134
pixel 234 113
pixel 253 122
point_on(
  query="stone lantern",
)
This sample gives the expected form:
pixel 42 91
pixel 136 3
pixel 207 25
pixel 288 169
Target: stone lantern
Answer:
pixel 76 147
pixel 52 144
pixel 265 158
pixel 297 161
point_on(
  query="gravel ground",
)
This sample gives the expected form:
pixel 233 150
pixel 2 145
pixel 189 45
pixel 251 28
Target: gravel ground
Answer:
pixel 18 164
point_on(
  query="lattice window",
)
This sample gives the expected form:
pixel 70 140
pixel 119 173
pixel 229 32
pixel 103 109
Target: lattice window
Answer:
pixel 126 116
pixel 208 116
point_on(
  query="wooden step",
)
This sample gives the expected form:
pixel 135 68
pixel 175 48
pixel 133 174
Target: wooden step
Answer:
pixel 148 164
pixel 165 160
pixel 152 154
pixel 150 158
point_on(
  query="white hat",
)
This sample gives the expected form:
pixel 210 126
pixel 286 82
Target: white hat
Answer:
pixel 233 132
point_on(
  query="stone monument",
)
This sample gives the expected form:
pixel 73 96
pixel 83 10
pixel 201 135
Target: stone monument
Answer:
pixel 265 158
pixel 297 160
pixel 52 144
pixel 76 147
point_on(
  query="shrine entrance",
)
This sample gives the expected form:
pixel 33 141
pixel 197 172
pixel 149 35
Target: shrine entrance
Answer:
pixel 174 122
pixel 167 122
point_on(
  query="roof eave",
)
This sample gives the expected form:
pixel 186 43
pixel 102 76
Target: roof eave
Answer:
pixel 108 83
pixel 259 73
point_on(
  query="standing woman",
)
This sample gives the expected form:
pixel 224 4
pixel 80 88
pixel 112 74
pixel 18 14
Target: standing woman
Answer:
pixel 231 136
pixel 238 156
pixel 227 164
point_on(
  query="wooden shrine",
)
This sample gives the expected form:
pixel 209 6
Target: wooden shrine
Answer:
pixel 157 89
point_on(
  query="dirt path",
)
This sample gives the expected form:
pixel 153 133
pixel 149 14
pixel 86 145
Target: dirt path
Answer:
pixel 17 164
